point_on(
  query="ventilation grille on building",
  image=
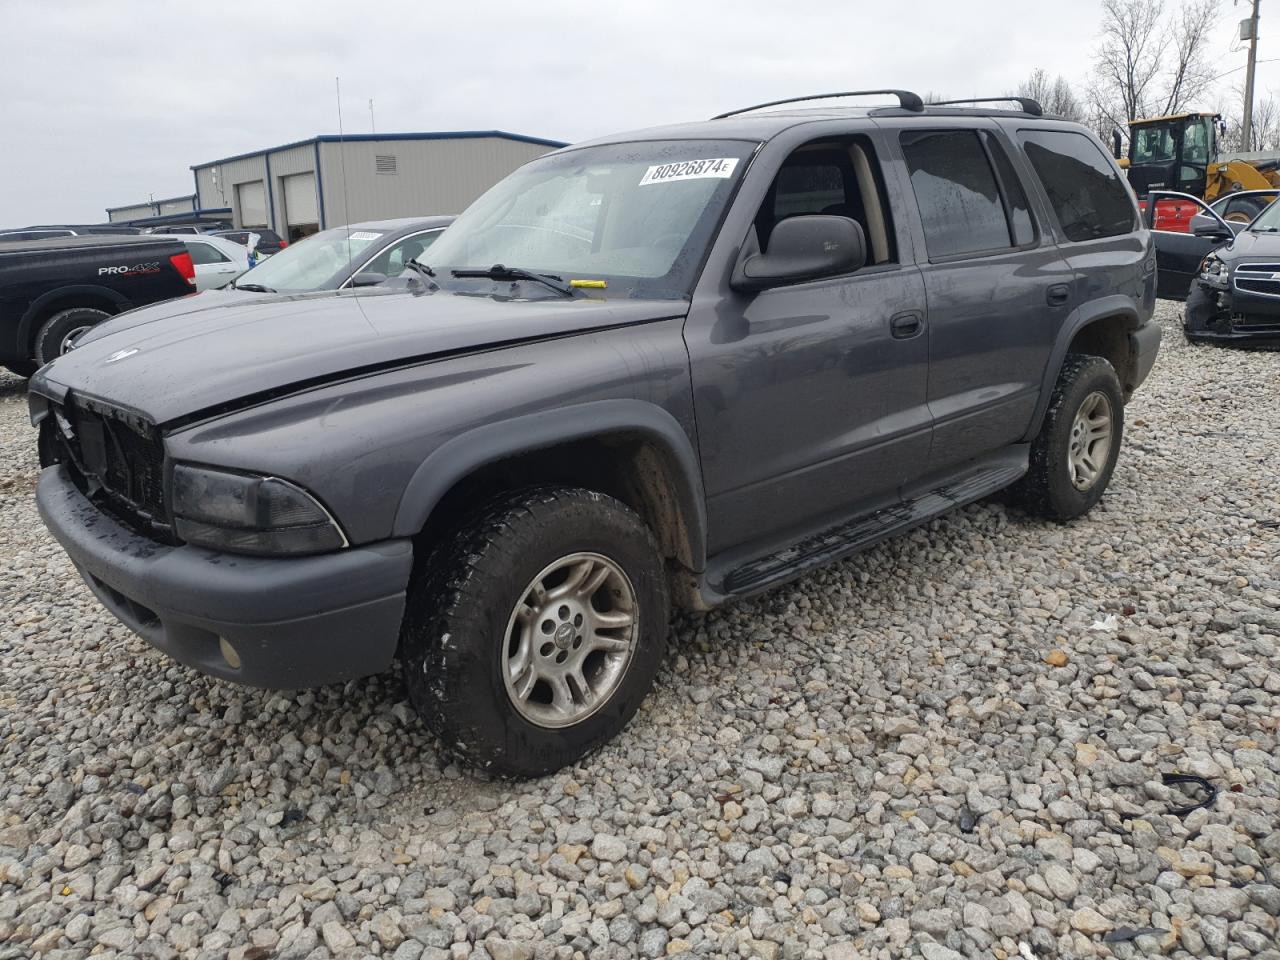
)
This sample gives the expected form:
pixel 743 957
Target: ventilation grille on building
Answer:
pixel 384 164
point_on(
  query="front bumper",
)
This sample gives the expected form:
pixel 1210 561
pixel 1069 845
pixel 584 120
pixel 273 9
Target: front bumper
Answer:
pixel 1228 318
pixel 292 622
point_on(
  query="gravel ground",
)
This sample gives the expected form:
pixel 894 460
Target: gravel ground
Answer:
pixel 927 750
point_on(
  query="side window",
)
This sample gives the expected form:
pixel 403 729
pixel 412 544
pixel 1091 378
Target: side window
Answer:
pixel 1084 190
pixel 836 178
pixel 955 188
pixel 205 253
pixel 1015 196
pixel 392 260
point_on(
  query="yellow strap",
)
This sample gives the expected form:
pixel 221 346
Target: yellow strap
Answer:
pixel 589 284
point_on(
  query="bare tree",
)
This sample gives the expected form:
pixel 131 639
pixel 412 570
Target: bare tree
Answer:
pixel 1149 64
pixel 1056 95
pixel 1266 125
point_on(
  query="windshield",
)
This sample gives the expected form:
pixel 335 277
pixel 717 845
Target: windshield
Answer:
pixel 638 216
pixel 311 264
pixel 1153 144
pixel 1268 220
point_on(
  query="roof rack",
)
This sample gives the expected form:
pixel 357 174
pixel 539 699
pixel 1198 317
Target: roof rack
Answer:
pixel 906 99
pixel 1025 103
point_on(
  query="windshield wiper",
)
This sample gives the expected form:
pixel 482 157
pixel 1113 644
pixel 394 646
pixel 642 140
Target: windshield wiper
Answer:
pixel 499 272
pixel 420 268
pixel 252 287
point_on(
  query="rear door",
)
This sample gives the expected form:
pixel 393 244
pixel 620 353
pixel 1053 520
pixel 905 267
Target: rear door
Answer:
pixel 997 286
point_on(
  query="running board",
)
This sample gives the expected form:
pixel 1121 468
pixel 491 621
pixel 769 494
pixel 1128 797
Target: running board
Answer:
pixel 864 531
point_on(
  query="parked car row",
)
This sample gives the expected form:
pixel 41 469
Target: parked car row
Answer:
pixel 670 367
pixel 54 289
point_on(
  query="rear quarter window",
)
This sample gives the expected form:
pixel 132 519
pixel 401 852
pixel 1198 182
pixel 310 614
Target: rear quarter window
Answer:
pixel 1085 191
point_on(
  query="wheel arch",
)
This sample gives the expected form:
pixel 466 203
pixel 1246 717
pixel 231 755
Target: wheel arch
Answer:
pixel 65 298
pixel 1101 328
pixel 630 449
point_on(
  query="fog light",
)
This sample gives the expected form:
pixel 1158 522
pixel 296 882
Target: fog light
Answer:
pixel 229 653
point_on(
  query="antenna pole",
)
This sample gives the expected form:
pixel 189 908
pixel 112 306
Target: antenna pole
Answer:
pixel 342 150
pixel 372 127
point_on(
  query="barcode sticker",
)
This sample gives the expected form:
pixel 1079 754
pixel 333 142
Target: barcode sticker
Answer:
pixel 719 167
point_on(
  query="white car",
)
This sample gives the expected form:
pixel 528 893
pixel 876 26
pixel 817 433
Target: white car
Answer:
pixel 217 261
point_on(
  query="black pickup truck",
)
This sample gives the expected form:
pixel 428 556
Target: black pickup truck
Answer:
pixel 53 290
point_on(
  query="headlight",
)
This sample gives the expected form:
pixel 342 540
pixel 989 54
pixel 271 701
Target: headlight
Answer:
pixel 243 513
pixel 1211 266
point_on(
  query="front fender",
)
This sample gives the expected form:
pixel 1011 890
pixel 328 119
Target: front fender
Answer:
pixel 466 453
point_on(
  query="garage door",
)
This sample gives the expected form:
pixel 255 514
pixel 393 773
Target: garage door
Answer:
pixel 251 200
pixel 300 209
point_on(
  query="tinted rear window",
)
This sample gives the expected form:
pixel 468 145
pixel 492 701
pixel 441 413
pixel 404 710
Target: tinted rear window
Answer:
pixel 1083 188
pixel 955 188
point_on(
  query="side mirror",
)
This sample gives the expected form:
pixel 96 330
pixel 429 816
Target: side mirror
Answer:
pixel 369 278
pixel 803 248
pixel 1209 229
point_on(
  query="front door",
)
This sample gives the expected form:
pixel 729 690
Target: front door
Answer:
pixel 810 398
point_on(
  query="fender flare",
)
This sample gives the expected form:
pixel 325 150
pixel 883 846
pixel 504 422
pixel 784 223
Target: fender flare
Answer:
pixel 38 305
pixel 468 452
pixel 1116 305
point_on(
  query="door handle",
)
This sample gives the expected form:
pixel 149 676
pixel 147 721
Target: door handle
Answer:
pixel 906 325
pixel 1058 294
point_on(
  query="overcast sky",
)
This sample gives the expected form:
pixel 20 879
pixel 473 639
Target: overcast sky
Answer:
pixel 105 102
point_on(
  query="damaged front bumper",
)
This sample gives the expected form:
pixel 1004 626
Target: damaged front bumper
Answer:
pixel 1232 316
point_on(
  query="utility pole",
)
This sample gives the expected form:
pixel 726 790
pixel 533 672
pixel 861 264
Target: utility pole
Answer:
pixel 1251 26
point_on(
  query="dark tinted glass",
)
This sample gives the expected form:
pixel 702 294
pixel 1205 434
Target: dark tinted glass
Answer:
pixel 1084 190
pixel 956 192
pixel 1019 209
pixel 805 188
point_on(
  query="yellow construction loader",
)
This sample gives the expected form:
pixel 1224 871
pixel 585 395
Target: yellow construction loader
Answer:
pixel 1180 152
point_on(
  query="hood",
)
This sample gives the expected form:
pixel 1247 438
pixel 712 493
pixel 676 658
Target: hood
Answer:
pixel 231 352
pixel 1250 245
pixel 192 306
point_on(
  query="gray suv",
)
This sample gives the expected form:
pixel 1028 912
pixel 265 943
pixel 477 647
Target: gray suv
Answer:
pixel 676 366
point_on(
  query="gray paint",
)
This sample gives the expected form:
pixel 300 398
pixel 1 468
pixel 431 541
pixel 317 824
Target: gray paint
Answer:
pixel 802 412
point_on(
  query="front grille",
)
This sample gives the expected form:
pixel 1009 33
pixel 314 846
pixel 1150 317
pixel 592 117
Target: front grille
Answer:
pixel 1259 278
pixel 120 455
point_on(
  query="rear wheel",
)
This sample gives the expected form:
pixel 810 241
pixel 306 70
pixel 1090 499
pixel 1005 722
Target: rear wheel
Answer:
pixel 60 330
pixel 534 633
pixel 1075 453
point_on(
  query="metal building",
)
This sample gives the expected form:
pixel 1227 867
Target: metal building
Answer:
pixel 168 211
pixel 326 181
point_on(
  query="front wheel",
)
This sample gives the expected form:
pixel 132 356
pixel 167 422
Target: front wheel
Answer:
pixel 1075 453
pixel 532 636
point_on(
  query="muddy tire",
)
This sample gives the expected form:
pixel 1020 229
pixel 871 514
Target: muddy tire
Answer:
pixel 56 332
pixel 1075 453
pixel 532 634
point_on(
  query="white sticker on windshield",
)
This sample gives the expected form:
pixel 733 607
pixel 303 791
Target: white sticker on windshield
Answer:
pixel 719 167
pixel 364 235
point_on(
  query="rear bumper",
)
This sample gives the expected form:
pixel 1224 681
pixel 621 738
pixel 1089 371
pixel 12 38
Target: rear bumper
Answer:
pixel 293 622
pixel 1144 345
